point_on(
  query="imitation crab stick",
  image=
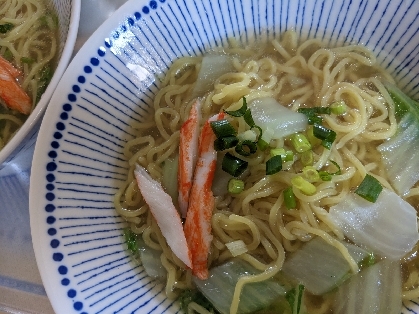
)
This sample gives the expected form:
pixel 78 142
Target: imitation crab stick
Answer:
pixel 188 154
pixel 12 94
pixel 201 201
pixel 165 214
pixel 9 67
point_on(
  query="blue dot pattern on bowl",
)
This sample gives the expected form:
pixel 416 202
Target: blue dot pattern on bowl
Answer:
pixel 113 94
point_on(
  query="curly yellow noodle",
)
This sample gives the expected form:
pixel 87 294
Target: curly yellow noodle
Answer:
pixel 233 91
pixel 141 151
pixel 257 195
pixel 309 215
pixel 154 155
pixel 305 90
pixel 322 158
pixel 250 225
pixel 323 216
pixel 281 50
pixel 10 118
pixel 196 308
pixel 356 53
pixel 171 276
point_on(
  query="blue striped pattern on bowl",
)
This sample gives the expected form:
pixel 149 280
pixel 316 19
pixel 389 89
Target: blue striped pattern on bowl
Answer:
pixel 78 162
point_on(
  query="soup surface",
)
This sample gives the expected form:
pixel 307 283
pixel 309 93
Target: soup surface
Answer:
pixel 277 161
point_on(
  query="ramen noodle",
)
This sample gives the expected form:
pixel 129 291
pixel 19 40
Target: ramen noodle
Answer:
pixel 296 75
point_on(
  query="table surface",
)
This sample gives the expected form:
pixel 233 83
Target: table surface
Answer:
pixel 21 288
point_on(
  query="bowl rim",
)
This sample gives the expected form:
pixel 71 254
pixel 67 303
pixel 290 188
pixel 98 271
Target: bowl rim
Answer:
pixel 37 114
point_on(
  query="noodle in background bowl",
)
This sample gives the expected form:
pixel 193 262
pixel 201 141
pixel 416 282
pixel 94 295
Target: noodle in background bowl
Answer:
pixel 68 13
pixel 78 163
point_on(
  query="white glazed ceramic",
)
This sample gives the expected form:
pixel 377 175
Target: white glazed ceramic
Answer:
pixel 78 162
pixel 68 12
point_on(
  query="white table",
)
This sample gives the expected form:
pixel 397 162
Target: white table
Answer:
pixel 21 288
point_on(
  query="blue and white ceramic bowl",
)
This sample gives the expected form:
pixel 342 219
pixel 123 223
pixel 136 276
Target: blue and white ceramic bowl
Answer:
pixel 78 162
pixel 68 13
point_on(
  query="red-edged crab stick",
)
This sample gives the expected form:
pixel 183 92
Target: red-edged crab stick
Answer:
pixel 10 91
pixel 188 154
pixel 165 214
pixel 201 201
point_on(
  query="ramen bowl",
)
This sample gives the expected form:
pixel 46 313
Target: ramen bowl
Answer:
pixel 68 14
pixel 78 163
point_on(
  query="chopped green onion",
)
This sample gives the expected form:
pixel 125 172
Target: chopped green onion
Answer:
pixel 321 132
pixel 239 112
pixel 313 111
pixel 300 142
pixel 235 186
pixel 224 143
pixel 223 128
pixel 314 120
pixel 246 148
pixel 289 156
pixel 243 112
pixel 131 240
pixel 367 261
pixel 286 155
pixel 248 118
pixel 294 298
pixel 303 185
pixel 370 188
pixel 7 27
pixel 326 135
pixel 337 172
pixel 233 165
pixel 274 165
pixel 277 151
pixel 262 145
pixel 338 108
pixel 325 176
pixel 307 158
pixel 311 174
pixel 289 198
pixel 314 141
pixel 27 60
